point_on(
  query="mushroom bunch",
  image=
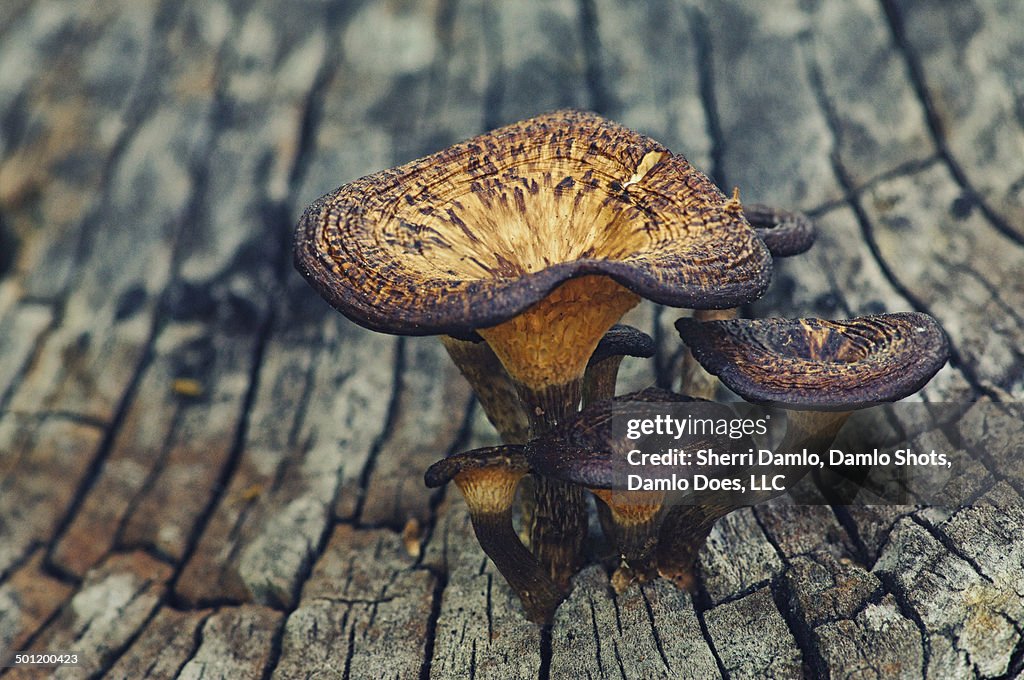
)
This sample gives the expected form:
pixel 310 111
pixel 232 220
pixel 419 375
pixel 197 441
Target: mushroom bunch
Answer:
pixel 522 248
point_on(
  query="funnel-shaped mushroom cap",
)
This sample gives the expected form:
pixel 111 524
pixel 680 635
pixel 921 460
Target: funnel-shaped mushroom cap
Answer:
pixel 473 235
pixel 812 364
pixel 486 477
pixel 507 457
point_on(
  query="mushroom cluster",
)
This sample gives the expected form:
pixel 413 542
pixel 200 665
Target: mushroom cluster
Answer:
pixel 522 248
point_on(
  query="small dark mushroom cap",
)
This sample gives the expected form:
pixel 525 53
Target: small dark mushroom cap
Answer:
pixel 488 478
pixel 785 233
pixel 623 341
pixel 588 450
pixel 507 457
pixel 473 235
pixel 813 364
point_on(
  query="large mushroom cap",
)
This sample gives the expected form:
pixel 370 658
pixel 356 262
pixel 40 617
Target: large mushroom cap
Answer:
pixel 473 235
pixel 813 364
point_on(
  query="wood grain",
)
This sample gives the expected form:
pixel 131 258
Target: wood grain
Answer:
pixel 205 471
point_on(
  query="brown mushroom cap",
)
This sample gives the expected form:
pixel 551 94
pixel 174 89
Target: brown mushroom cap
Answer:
pixel 588 450
pixel 785 233
pixel 486 477
pixel 813 364
pixel 471 236
pixel 622 340
pixel 507 456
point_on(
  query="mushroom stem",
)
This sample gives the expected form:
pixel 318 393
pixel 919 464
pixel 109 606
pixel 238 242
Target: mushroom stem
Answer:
pixel 523 572
pixel 600 380
pixel 630 520
pixel 684 531
pixel 602 371
pixel 493 387
pixel 813 430
pixel 554 513
pixel 557 527
pixel 548 406
pixel 545 351
pixel 487 479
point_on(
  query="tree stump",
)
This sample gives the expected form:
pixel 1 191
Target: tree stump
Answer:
pixel 206 472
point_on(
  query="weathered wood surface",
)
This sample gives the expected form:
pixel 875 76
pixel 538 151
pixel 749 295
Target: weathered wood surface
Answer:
pixel 206 472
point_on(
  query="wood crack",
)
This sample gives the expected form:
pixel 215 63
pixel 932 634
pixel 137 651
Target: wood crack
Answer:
pixel 140 105
pixel 600 99
pixel 235 454
pixel 706 81
pixel 106 445
pixel 1016 665
pixel 919 81
pixel 654 629
pixel 494 94
pixel 440 583
pixel 389 425
pixel 908 169
pixel 32 357
pixel 975 276
pixel 804 642
pixel 119 652
pixel 867 229
pixel 711 644
pixel 907 610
